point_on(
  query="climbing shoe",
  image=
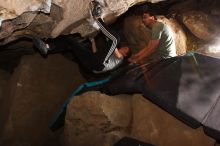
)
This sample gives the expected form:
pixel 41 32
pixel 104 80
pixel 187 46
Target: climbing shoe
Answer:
pixel 95 8
pixel 40 45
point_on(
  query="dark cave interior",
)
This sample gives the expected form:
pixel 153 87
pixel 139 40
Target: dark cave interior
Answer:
pixel 11 53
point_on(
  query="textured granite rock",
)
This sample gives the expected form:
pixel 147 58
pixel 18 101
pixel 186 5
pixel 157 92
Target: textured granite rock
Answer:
pixel 98 119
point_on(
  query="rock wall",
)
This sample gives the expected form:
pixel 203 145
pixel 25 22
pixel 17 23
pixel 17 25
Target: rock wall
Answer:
pixel 201 25
pixel 37 88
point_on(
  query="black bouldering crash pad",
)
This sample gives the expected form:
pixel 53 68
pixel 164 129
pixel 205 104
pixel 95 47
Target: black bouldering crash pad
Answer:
pixel 187 87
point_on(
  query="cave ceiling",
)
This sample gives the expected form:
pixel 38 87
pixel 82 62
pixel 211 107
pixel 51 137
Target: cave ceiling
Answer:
pixel 47 18
pixel 51 18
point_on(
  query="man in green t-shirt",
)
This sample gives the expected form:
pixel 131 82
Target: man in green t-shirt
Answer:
pixel 160 46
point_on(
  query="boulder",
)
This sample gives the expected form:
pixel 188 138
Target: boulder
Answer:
pixel 200 24
pixel 98 119
pixel 38 88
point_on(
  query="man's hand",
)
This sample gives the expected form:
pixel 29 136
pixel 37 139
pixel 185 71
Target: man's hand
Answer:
pixel 117 53
pixel 136 58
pixel 145 52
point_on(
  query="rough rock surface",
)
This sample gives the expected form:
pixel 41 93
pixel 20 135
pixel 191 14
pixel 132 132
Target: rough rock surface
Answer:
pixel 12 8
pixel 201 25
pixel 92 119
pixel 38 88
pixel 98 119
pixel 138 35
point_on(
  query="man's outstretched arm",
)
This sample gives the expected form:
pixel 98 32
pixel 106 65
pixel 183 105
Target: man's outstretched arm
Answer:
pixel 145 52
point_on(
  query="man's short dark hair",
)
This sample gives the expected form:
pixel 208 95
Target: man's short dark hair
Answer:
pixel 145 9
pixel 137 9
